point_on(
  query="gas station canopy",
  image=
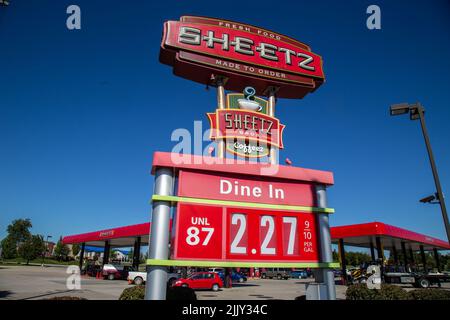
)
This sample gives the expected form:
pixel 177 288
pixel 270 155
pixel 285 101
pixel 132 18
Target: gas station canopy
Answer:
pixel 117 237
pixel 358 235
pixel 365 235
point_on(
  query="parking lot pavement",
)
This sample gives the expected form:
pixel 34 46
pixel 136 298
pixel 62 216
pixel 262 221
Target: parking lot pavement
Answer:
pixel 264 289
pixel 36 282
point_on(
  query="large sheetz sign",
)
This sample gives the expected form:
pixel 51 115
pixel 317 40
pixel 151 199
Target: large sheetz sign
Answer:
pixel 198 47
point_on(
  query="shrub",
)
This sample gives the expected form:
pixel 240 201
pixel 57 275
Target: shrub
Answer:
pixel 392 292
pixel 429 294
pixel 133 293
pixel 173 293
pixel 358 292
pixel 387 292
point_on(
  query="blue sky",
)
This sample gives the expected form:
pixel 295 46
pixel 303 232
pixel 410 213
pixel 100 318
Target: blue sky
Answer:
pixel 81 112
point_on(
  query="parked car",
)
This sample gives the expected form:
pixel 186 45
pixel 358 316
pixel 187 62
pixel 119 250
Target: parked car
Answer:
pixel 299 274
pixel 278 273
pixel 235 277
pixel 115 271
pixel 139 278
pixel 201 280
pixel 216 270
pixel 337 273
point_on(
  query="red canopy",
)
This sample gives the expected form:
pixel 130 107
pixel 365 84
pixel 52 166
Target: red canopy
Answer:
pixel 361 235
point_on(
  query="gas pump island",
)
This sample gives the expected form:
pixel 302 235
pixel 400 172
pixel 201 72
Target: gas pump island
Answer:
pixel 244 210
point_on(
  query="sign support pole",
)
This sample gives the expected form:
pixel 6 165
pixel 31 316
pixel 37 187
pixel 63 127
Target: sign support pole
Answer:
pixel 220 81
pixel 323 275
pixel 273 155
pixel 156 284
pixel 220 105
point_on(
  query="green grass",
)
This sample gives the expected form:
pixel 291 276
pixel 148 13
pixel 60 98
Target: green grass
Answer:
pixel 20 261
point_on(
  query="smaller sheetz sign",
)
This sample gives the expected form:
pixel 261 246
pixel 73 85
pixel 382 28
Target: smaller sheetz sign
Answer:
pixel 243 124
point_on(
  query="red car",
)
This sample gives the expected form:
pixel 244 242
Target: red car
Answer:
pixel 201 280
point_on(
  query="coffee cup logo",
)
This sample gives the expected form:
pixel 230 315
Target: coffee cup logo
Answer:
pixel 248 103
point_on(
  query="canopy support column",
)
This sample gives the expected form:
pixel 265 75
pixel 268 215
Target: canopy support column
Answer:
pixel 372 251
pixel 405 257
pixel 424 260
pixel 342 260
pixel 436 258
pixel 136 253
pixel 380 254
pixel 106 253
pixel 82 256
pixel 394 253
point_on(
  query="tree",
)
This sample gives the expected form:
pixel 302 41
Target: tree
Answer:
pixel 61 250
pixel 75 249
pixel 356 258
pixel 130 255
pixel 352 258
pixel 335 256
pixel 18 233
pixel 112 254
pixel 9 248
pixel 32 248
pixel 429 258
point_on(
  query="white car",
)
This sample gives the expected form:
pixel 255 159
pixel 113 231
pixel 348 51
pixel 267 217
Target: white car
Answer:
pixel 216 270
pixel 140 278
pixel 115 271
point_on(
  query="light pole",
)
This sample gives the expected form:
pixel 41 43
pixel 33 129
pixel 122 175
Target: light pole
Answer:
pixel 416 111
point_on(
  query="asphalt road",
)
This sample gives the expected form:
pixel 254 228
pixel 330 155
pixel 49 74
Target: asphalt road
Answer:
pixel 264 289
pixel 36 282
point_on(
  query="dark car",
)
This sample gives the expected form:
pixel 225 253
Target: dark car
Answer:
pixel 235 277
pixel 337 273
pixel 276 273
pixel 92 270
pixel 299 274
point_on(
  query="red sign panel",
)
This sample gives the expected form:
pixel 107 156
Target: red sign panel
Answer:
pixel 242 234
pixel 198 47
pixel 249 125
pixel 242 46
pixel 232 188
pixel 246 68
